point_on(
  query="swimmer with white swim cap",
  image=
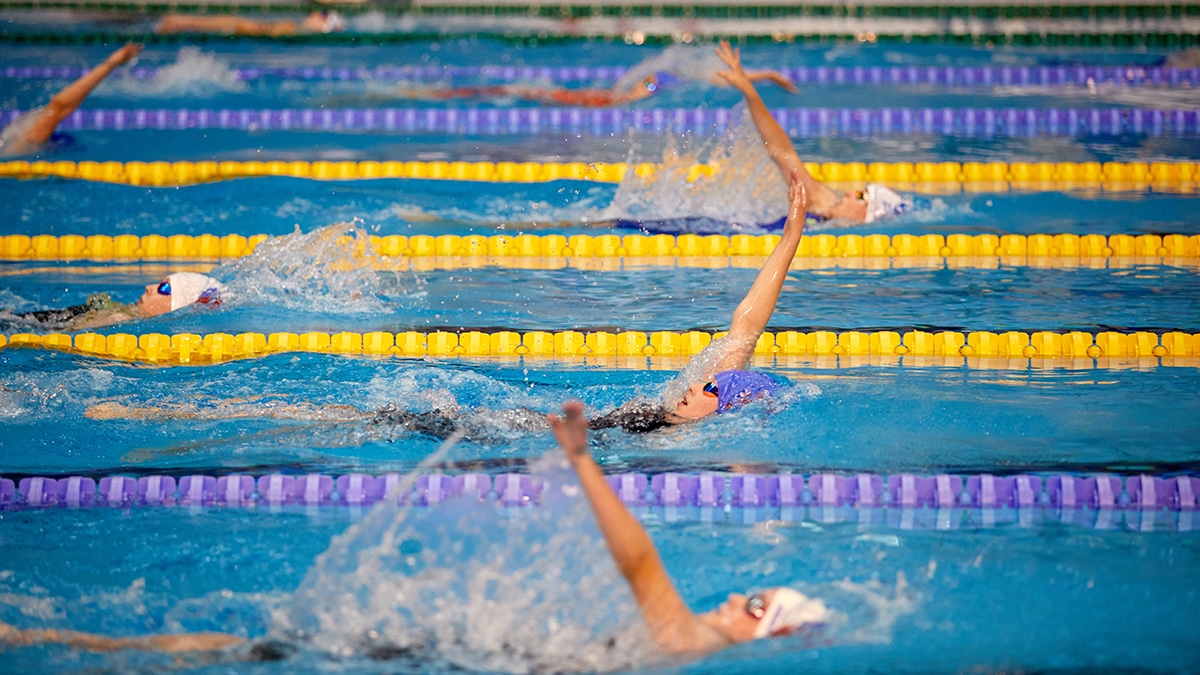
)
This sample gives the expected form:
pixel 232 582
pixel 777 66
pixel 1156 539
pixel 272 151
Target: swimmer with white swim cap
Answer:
pixel 674 627
pixel 872 203
pixel 775 612
pixel 176 291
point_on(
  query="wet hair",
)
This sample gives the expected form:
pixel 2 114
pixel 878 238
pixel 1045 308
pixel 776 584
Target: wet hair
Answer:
pixel 635 417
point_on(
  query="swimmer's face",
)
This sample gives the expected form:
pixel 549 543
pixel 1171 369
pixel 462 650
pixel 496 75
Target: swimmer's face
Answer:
pixel 644 89
pixel 696 403
pixel 322 22
pixel 852 206
pixel 154 301
pixel 734 619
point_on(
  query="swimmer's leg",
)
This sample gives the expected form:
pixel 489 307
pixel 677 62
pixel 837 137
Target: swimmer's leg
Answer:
pixel 167 644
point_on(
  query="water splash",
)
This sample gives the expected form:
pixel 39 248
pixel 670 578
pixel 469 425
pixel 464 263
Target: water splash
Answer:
pixel 698 63
pixel 702 366
pixel 331 269
pixel 194 74
pixel 747 188
pixel 469 585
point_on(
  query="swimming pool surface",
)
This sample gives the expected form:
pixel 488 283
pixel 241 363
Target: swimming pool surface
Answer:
pixel 481 586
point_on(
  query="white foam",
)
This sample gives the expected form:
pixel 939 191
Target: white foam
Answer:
pixel 331 269
pixel 194 74
pixel 747 188
pixel 476 589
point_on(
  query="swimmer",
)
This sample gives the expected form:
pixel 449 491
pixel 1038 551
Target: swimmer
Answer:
pixel 315 23
pixel 589 97
pixel 720 383
pixel 29 132
pixel 675 629
pixel 869 204
pixel 176 291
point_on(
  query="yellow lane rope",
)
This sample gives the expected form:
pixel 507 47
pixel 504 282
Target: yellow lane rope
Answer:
pixel 634 349
pixel 450 251
pixel 928 177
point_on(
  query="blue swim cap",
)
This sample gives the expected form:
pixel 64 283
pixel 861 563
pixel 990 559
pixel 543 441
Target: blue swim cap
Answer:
pixel 666 80
pixel 660 80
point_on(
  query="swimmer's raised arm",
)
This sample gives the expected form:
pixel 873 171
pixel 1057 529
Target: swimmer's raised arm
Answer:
pixel 773 76
pixel 754 311
pixel 779 146
pixel 673 625
pixel 67 101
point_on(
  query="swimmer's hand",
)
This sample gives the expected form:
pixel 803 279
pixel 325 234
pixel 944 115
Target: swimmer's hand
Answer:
pixel 124 54
pixel 570 430
pixel 777 78
pixel 736 76
pixel 797 205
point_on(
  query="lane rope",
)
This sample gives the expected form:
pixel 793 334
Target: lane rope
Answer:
pixel 911 501
pixel 798 122
pixel 554 251
pixel 950 76
pixel 934 177
pixel 1008 350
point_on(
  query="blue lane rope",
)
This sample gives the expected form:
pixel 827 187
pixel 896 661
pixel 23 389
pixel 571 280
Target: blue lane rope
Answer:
pixel 744 490
pixel 798 122
pixel 950 76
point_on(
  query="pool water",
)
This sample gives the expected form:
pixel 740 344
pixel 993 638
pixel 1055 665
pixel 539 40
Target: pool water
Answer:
pixel 508 588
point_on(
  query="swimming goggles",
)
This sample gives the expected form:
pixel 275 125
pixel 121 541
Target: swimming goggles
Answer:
pixel 756 606
pixel 164 288
pixel 711 389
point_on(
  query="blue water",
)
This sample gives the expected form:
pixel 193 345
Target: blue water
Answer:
pixel 1104 593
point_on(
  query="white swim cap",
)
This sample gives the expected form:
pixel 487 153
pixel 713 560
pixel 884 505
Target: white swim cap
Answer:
pixel 334 23
pixel 189 287
pixel 883 203
pixel 789 610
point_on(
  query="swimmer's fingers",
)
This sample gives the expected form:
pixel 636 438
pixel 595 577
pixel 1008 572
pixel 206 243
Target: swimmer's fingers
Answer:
pixel 571 429
pixel 784 83
pixel 126 53
pixel 731 57
pixel 736 75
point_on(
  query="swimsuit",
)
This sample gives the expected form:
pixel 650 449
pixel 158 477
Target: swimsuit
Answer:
pixel 704 225
pixel 739 387
pixel 60 317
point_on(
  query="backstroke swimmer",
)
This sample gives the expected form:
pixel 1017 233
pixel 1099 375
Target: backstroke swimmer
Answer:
pixel 675 629
pixel 174 292
pixel 714 381
pixel 31 131
pixel 323 21
pixel 591 97
pixel 873 202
